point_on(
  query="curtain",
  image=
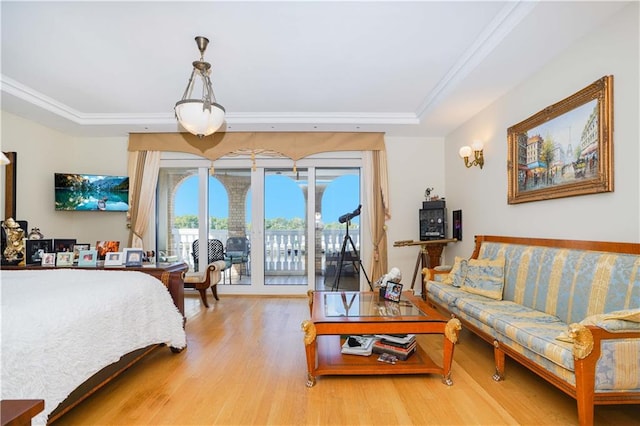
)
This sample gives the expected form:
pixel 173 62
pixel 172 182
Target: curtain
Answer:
pixel 378 206
pixel 294 145
pixel 143 177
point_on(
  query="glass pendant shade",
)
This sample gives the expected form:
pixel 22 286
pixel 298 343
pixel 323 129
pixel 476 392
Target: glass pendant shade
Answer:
pixel 196 118
pixel 202 116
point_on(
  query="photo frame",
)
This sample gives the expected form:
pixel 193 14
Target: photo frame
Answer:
pixel 393 291
pixel 63 245
pixel 88 258
pixel 564 150
pixel 134 258
pixel 64 259
pixel 105 247
pixel 35 249
pixel 49 259
pixel 113 258
pixel 77 248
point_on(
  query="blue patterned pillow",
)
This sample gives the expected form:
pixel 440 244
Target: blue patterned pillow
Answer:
pixel 485 277
pixel 458 273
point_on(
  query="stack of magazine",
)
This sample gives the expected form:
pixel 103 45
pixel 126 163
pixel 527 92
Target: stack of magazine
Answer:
pixel 400 345
pixel 358 345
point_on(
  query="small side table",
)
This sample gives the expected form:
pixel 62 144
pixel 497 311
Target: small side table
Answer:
pixel 429 255
pixel 19 412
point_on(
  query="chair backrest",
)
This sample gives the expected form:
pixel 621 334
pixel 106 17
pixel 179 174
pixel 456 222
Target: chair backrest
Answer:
pixel 238 245
pixel 215 250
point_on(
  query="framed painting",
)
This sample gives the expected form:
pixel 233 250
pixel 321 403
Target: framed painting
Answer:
pixel 564 150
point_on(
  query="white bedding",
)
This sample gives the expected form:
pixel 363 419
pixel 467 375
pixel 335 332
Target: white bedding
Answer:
pixel 61 326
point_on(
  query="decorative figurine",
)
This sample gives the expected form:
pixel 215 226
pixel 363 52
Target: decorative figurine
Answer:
pixel 427 194
pixel 14 252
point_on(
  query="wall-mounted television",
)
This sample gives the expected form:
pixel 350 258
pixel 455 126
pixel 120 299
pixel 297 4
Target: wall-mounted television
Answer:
pixel 85 192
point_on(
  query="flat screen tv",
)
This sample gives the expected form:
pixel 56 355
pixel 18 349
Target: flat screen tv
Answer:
pixel 84 192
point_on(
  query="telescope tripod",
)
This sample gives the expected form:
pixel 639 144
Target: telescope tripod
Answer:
pixel 354 257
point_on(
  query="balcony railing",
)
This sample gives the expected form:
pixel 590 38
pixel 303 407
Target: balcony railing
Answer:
pixel 285 250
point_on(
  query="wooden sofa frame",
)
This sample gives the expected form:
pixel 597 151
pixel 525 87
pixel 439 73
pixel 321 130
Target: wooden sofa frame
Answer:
pixel 584 390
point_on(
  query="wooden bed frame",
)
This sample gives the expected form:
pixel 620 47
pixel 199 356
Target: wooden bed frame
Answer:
pixel 171 277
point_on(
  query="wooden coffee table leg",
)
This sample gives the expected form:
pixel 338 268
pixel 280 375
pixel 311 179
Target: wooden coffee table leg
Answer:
pixel 451 332
pixel 310 348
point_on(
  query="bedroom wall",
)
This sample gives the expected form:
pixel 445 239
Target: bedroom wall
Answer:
pixel 482 194
pixel 42 152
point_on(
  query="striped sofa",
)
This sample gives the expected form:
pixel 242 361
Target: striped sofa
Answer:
pixel 567 310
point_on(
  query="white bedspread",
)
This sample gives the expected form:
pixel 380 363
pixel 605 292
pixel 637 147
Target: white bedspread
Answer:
pixel 59 327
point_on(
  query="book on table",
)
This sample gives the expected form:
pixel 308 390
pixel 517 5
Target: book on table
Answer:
pixel 402 340
pixel 358 345
pixel 402 353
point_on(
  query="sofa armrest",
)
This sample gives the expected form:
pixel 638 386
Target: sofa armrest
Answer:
pixel 435 274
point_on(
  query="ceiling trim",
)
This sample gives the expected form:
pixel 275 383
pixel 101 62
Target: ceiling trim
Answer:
pixel 499 28
pixel 40 100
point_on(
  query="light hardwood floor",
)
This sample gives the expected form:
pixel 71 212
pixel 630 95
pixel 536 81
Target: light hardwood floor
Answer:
pixel 245 364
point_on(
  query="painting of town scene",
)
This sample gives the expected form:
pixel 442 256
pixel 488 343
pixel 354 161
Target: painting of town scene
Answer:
pixel 562 155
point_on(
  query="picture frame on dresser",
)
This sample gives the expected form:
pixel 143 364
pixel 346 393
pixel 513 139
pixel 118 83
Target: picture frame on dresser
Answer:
pixel 35 249
pixel 64 259
pixel 63 245
pixel 88 258
pixel 105 247
pixel 49 259
pixel 134 258
pixel 113 258
pixel 77 248
pixel 564 150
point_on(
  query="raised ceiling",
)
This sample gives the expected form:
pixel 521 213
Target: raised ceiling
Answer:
pixel 405 68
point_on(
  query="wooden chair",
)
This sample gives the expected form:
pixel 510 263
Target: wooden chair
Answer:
pixel 215 251
pixel 209 278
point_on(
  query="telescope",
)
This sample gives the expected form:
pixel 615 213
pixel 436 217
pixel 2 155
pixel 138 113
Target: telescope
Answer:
pixel 348 216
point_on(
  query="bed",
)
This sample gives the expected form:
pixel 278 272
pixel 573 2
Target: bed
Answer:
pixel 61 327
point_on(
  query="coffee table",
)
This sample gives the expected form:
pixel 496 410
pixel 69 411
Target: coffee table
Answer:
pixel 340 313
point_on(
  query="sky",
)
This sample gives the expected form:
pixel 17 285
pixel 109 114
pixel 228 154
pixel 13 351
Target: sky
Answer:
pixel 284 198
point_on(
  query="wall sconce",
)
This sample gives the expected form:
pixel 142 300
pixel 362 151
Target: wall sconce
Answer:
pixel 476 148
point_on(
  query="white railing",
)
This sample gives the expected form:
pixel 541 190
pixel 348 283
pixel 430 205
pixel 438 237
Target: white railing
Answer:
pixel 285 250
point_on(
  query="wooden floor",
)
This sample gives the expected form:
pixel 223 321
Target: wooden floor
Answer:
pixel 245 364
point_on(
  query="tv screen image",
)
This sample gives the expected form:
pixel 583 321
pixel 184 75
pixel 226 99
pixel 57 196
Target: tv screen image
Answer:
pixel 85 192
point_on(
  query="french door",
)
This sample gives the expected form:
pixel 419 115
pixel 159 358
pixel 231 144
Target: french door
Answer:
pixel 289 216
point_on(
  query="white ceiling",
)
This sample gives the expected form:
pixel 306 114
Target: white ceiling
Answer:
pixel 405 68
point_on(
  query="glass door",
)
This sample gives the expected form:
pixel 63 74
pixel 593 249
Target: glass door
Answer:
pixel 285 227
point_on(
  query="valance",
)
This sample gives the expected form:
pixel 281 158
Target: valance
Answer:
pixel 294 145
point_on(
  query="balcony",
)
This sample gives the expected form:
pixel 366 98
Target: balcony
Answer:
pixel 285 250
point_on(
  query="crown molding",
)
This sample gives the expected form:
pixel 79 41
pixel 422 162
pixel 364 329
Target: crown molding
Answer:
pixel 505 21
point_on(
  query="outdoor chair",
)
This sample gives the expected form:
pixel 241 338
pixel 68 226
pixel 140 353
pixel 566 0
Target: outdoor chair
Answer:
pixel 237 253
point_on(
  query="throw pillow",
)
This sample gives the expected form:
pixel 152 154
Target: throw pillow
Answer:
pixel 485 277
pixel 458 273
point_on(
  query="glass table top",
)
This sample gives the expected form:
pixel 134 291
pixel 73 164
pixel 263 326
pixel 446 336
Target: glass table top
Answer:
pixel 354 304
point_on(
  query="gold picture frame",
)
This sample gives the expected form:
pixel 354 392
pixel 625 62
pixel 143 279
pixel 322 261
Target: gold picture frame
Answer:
pixel 564 150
